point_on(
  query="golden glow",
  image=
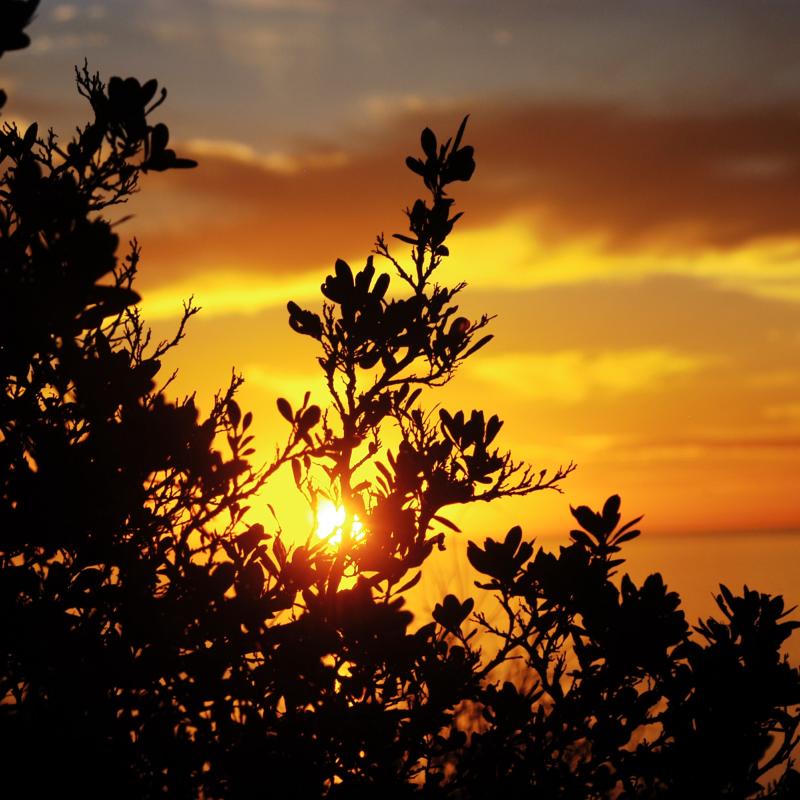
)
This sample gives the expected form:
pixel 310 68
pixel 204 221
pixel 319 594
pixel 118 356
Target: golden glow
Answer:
pixel 228 291
pixel 573 376
pixel 767 268
pixel 331 521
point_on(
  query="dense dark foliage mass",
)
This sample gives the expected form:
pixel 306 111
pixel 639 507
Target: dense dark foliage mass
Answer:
pixel 155 642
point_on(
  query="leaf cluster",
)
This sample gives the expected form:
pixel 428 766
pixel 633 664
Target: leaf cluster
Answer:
pixel 620 696
pixel 157 640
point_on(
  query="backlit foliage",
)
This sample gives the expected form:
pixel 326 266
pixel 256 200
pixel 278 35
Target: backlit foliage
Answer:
pixel 156 643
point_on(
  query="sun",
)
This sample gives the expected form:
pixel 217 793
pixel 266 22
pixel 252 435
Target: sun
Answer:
pixel 330 522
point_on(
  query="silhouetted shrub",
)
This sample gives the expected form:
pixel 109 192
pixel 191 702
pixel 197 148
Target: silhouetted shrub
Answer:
pixel 153 642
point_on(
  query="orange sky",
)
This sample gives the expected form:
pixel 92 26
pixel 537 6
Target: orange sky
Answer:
pixel 647 323
pixel 634 220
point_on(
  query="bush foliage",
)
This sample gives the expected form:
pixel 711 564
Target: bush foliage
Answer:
pixel 155 641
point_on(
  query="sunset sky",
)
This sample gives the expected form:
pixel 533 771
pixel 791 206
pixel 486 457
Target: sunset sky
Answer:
pixel 633 222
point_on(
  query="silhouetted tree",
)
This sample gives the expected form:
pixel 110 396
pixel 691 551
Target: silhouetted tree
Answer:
pixel 111 494
pixel 155 642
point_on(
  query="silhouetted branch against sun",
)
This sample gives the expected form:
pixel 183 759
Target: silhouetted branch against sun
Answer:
pixel 156 641
pixel 379 350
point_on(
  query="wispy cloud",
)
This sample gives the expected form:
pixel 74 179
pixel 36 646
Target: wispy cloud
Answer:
pixel 64 12
pixel 561 195
pixel 277 5
pixel 573 376
pixel 783 411
pixel 278 162
pixel 225 292
pixel 68 42
pixel 385 107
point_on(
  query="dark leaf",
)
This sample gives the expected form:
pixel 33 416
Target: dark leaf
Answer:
pixel 461 128
pixel 415 165
pixel 447 523
pixel 481 342
pixel 234 413
pixel 311 416
pixel 410 584
pixel 428 141
pixel 285 409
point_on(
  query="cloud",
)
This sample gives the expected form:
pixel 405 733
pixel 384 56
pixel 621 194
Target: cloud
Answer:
pixel 743 446
pixel 783 411
pixel 277 214
pixel 278 162
pixel 68 42
pixel 688 314
pixel 562 195
pixel 64 12
pixel 383 107
pixel 277 5
pixel 226 292
pixel 573 376
pixel 675 181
